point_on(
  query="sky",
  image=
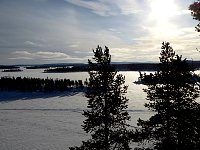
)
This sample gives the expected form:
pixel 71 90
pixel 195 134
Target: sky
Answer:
pixel 66 31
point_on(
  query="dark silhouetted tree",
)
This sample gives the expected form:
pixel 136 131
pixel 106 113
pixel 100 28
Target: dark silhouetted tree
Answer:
pixel 171 93
pixel 195 12
pixel 37 84
pixel 106 117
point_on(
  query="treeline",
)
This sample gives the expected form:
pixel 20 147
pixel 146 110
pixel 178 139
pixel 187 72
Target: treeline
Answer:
pixel 39 85
pixel 12 70
pixel 67 69
pixel 8 67
pixel 118 67
pixel 195 65
pixel 47 66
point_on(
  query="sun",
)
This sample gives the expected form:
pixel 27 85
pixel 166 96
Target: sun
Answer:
pixel 160 18
pixel 162 10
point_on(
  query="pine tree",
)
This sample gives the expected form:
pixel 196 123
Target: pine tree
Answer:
pixel 172 93
pixel 106 115
pixel 195 12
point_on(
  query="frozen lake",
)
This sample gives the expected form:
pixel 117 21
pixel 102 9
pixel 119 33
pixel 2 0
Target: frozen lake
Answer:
pixel 52 121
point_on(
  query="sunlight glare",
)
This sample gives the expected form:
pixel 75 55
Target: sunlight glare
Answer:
pixel 161 13
pixel 162 10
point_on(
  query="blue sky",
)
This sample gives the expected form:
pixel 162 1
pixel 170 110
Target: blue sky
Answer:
pixel 55 31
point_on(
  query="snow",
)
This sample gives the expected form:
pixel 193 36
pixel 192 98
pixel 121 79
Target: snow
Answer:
pixel 52 121
pixel 44 121
pixel 47 123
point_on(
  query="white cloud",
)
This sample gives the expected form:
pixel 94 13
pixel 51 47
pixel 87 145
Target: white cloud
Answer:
pixel 25 53
pixel 20 58
pixel 51 55
pixel 184 12
pixel 21 55
pixel 95 6
pixel 128 7
pixel 33 44
pixel 42 55
pixel 74 45
pixel 111 7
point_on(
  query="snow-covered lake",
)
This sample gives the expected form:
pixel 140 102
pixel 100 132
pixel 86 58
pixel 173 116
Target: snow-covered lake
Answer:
pixel 52 121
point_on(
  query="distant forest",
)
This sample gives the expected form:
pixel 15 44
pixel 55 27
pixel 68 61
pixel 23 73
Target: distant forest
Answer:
pixel 46 85
pixel 78 67
pixel 119 67
pixel 39 85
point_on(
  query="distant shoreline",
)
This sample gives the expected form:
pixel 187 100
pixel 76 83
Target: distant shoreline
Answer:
pixel 80 67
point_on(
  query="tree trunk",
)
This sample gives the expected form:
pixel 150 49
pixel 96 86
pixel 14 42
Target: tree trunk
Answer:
pixel 106 130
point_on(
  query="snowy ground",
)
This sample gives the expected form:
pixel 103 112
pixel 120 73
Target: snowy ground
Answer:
pixel 48 122
pixel 44 121
pixel 52 121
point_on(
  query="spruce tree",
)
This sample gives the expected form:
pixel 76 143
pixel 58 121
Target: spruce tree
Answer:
pixel 106 117
pixel 195 12
pixel 171 93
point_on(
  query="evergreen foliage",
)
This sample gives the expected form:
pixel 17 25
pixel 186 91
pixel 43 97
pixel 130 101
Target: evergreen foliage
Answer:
pixel 106 117
pixel 171 93
pixel 38 85
pixel 195 12
pixel 80 68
